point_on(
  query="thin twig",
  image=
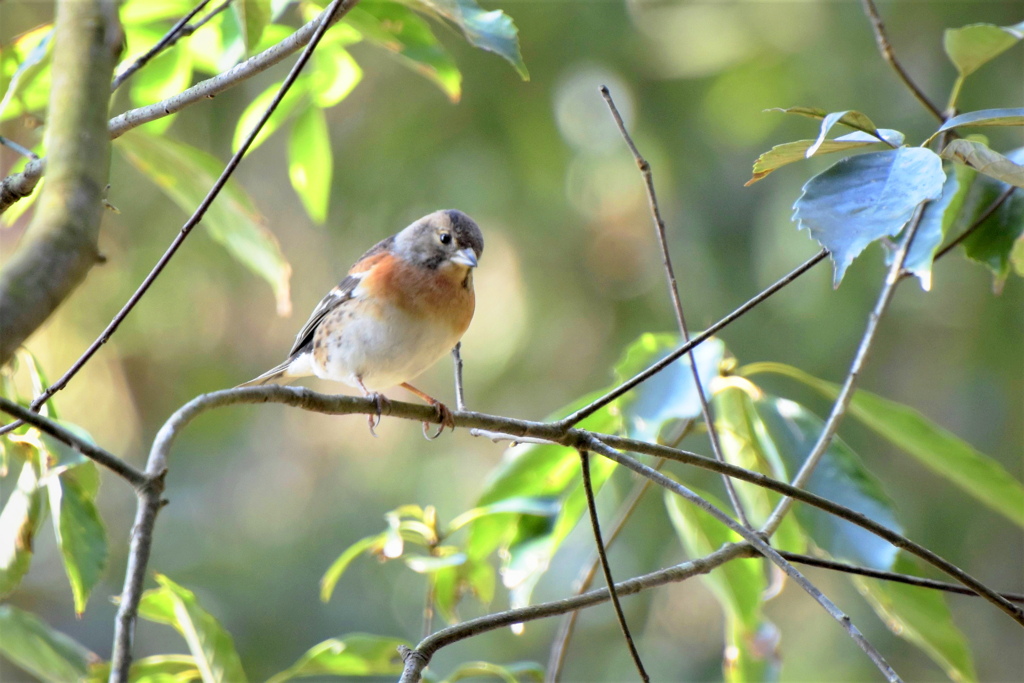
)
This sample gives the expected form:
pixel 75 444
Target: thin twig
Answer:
pixel 894 577
pixel 677 304
pixel 20 149
pixel 560 646
pixel 149 501
pixel 115 464
pixel 460 397
pixel 595 524
pixel 164 43
pixel 671 358
pixel 985 215
pixel 889 56
pixel 842 401
pixel 197 216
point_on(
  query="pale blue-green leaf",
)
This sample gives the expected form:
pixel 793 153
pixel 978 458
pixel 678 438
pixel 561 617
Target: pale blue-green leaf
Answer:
pixel 330 579
pixel 404 33
pixel 80 534
pixel 208 642
pixel 310 162
pixel 970 47
pixel 490 30
pixel 186 174
pixel 422 564
pixel 671 394
pixel 935 447
pixel 986 117
pixel 19 522
pixel 39 649
pixel 355 654
pixel 297 95
pixel 923 618
pixel 867 197
pixel 985 160
pixel 936 218
pixel 254 15
pixel 853 119
pixel 791 152
pixel 840 476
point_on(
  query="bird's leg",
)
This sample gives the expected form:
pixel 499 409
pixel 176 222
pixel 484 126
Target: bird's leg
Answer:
pixel 444 415
pixel 379 400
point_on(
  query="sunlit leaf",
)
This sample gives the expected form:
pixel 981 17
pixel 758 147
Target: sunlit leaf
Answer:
pixel 254 15
pixel 332 75
pixel 166 75
pixel 297 95
pixel 509 673
pixel 986 117
pixel 208 642
pixel 985 160
pixel 970 47
pixel 422 564
pixel 866 197
pixel 738 586
pixel 671 394
pixel 853 119
pixel 24 86
pixel 310 162
pixel 19 522
pixel 922 617
pixel 186 174
pixel 791 152
pixel 941 451
pixel 406 34
pixel 544 507
pixel 355 654
pixel 155 669
pixel 338 567
pixel 41 650
pixel 81 536
pixel 490 30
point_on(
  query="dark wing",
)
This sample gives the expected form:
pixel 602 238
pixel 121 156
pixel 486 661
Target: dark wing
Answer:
pixel 334 298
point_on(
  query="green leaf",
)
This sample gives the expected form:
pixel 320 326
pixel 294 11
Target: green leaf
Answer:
pixel 334 74
pixel 39 649
pixel 738 586
pixel 853 119
pixel 791 152
pixel 254 15
pixel 165 75
pixel 422 564
pixel 355 654
pixel 29 84
pixel 295 96
pixel 330 579
pixel 489 30
pixel 791 431
pixel 993 241
pixel 669 395
pixel 544 507
pixel 939 450
pixel 155 669
pixel 186 174
pixel 402 32
pixel 509 673
pixel 985 160
pixel 210 645
pixel 19 523
pixel 310 162
pixel 80 534
pixel 864 198
pixel 972 46
pixel 986 117
pixel 922 617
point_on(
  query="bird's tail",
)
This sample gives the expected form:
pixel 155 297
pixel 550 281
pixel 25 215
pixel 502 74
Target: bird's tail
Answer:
pixel 277 375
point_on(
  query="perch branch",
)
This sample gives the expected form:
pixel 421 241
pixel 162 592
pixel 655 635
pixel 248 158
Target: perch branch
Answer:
pixel 20 185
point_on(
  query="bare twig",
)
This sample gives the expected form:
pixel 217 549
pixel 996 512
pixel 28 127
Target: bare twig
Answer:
pixel 842 402
pixel 20 185
pixel 985 215
pixel 677 304
pixel 885 48
pixel 460 397
pixel 20 149
pixel 149 500
pixel 342 7
pixel 671 358
pixel 169 39
pixel 214 12
pixel 115 464
pixel 595 524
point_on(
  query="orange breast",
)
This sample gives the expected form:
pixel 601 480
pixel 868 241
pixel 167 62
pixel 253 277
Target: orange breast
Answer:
pixel 442 295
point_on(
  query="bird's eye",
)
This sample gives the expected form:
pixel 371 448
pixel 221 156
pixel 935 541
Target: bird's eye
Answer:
pixel 445 237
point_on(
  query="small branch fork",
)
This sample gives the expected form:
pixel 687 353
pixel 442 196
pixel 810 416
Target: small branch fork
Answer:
pixel 677 304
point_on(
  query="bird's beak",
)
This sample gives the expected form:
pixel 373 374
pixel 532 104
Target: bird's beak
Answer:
pixel 466 257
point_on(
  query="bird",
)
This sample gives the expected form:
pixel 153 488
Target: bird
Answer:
pixel 403 305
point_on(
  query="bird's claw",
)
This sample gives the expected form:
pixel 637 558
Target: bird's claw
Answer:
pixel 444 418
pixel 374 418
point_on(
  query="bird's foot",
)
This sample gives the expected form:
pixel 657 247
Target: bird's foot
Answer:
pixel 381 402
pixel 445 418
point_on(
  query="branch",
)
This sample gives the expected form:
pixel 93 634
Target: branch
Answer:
pixel 115 464
pixel 61 244
pixel 596 405
pixel 21 185
pixel 677 304
pixel 889 56
pixel 170 38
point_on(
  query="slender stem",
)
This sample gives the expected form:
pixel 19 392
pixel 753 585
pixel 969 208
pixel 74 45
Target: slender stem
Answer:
pixel 889 55
pixel 149 499
pixel 588 488
pixel 671 358
pixel 677 304
pixel 167 41
pixel 23 151
pixel 985 215
pixel 206 19
pixel 460 397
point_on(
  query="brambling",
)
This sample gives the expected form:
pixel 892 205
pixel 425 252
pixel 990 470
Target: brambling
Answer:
pixel 403 305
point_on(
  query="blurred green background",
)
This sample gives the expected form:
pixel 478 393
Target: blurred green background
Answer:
pixel 262 499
